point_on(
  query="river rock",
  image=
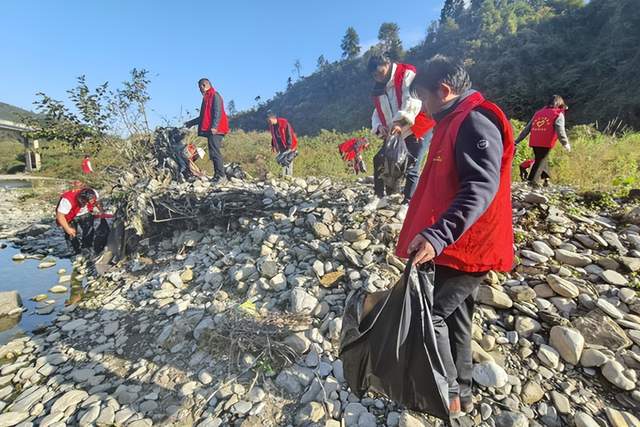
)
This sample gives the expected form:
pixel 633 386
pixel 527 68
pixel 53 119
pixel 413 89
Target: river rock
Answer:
pixel 58 289
pixel 302 302
pixel 568 342
pixel 562 286
pixel 582 419
pixel 531 393
pixel 549 356
pixel 490 374
pixel 12 418
pixel 10 301
pixel 614 278
pixel 609 308
pixel 511 419
pixel 613 371
pixel 598 329
pixel 572 258
pixel 592 357
pixel 493 297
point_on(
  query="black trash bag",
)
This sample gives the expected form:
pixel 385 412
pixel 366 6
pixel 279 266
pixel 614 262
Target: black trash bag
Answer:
pixel 101 236
pixel 285 158
pixel 396 159
pixel 388 344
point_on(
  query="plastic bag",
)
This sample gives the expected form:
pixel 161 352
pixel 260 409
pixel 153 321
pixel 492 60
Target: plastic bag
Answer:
pixel 388 345
pixel 101 236
pixel 396 159
pixel 285 158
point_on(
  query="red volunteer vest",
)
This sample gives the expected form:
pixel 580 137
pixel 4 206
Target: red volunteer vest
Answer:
pixel 282 130
pixel 85 166
pixel 72 197
pixel 488 243
pixel 205 117
pixel 543 130
pixel 423 122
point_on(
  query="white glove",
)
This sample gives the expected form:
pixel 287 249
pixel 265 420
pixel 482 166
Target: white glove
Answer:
pixel 568 148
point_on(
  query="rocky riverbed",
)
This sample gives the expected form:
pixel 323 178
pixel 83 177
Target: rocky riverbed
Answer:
pixel 239 324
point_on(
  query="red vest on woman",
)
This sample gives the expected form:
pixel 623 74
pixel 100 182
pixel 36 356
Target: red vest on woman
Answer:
pixel 205 114
pixel 85 166
pixel 283 124
pixel 72 197
pixel 488 243
pixel 423 122
pixel 543 130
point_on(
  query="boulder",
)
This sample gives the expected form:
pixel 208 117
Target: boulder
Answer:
pixel 10 301
pixel 598 329
pixel 568 342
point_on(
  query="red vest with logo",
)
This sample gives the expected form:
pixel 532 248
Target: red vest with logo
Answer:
pixel 423 122
pixel 488 243
pixel 72 197
pixel 543 130
pixel 85 166
pixel 205 117
pixel 283 124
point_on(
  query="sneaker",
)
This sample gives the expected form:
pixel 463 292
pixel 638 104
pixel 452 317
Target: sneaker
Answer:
pixel 376 203
pixel 466 404
pixel 219 180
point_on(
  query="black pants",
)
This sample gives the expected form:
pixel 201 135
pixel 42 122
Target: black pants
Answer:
pixel 540 168
pixel 416 148
pixel 215 154
pixel 86 225
pixel 453 303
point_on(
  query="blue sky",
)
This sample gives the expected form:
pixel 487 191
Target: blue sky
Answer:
pixel 247 48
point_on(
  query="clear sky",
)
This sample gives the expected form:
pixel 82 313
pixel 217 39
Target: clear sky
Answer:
pixel 246 47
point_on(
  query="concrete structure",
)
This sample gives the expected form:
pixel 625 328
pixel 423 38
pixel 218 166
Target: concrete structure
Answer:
pixel 31 155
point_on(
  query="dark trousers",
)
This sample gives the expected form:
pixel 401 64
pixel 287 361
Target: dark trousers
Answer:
pixel 453 303
pixel 85 223
pixel 540 168
pixel 417 149
pixel 215 154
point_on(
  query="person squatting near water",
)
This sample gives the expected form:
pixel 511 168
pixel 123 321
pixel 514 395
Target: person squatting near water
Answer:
pixel 76 209
pixel 545 128
pixel 460 214
pixel 284 142
pixel 213 124
pixel 397 112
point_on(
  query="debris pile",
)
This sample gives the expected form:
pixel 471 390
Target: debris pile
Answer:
pixel 235 320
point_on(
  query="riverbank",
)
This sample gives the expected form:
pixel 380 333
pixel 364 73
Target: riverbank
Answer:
pixel 239 324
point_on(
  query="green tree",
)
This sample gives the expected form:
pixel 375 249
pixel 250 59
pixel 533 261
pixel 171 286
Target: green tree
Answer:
pixel 389 38
pixel 350 44
pixel 322 62
pixel 231 106
pixel 452 9
pixel 297 67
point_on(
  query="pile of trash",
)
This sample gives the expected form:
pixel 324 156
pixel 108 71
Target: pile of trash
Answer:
pixel 235 318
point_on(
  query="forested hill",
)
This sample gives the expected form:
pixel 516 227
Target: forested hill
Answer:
pixel 518 51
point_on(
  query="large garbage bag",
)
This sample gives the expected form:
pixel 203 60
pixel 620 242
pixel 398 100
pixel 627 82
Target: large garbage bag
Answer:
pixel 101 236
pixel 285 158
pixel 388 344
pixel 396 159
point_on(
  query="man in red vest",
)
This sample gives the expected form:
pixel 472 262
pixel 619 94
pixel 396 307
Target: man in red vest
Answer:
pixel 283 141
pixel 460 214
pixel 397 112
pixel 86 165
pixel 75 208
pixel 213 124
pixel 546 127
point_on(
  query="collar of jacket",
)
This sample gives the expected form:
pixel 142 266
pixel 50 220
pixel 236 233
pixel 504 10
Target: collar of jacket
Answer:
pixel 451 105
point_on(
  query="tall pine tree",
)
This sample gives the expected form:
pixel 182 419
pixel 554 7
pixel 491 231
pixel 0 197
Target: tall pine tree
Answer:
pixel 350 44
pixel 452 9
pixel 389 37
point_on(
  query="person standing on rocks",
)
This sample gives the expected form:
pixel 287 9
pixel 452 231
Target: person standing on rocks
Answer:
pixel 213 124
pixel 283 141
pixel 460 214
pixel 546 127
pixel 75 208
pixel 397 112
pixel 86 165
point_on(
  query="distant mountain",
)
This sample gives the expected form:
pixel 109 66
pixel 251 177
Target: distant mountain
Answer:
pixel 13 113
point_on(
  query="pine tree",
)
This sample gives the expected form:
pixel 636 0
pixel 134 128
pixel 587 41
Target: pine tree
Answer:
pixel 452 9
pixel 389 37
pixel 231 106
pixel 297 67
pixel 350 44
pixel 322 62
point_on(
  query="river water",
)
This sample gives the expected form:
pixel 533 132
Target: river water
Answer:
pixel 29 280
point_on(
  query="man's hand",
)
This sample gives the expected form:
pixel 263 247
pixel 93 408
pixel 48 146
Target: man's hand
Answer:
pixel 214 131
pixel 396 129
pixel 71 232
pixel 423 250
pixel 568 148
pixel 383 131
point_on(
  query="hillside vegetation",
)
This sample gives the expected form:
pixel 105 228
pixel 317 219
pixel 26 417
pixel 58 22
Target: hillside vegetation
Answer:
pixel 518 52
